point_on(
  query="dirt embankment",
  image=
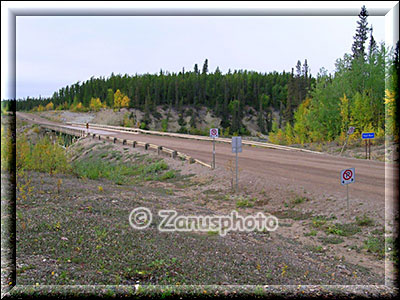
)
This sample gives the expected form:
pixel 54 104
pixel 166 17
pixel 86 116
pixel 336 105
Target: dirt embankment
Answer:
pixel 204 118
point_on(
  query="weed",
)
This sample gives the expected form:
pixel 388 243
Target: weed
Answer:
pixel 331 240
pixel 299 200
pixel 376 245
pixel 244 202
pixel 364 221
pixel 311 233
pixel 318 221
pixel 292 214
pixel 316 249
pixel 343 229
pixel 25 268
pixel 212 232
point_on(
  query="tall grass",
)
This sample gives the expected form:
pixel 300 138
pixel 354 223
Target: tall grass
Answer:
pixel 121 173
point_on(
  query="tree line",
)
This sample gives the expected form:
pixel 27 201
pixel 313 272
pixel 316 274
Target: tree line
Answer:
pixel 362 91
pixel 225 94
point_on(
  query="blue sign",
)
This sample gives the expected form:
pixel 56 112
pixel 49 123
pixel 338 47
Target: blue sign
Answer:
pixel 368 135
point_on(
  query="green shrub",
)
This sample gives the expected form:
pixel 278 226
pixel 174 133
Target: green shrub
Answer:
pixel 44 156
pixel 164 125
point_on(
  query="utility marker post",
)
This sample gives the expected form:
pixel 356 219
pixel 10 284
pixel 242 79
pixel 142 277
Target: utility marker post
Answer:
pixel 348 176
pixel 236 148
pixel 213 135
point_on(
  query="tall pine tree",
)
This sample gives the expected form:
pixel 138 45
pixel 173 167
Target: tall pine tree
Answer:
pixel 358 47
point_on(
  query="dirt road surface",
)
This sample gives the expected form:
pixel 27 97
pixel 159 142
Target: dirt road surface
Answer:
pixel 318 174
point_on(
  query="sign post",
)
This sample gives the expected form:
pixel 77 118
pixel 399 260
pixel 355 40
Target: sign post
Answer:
pixel 347 176
pixel 213 134
pixel 350 131
pixel 236 148
pixel 367 136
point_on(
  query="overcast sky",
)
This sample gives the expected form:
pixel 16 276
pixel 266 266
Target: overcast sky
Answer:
pixel 52 52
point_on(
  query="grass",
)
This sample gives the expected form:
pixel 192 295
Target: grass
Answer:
pixel 375 245
pixel 292 214
pixel 311 233
pixel 319 221
pixel 299 200
pixel 244 202
pixel 121 173
pixel 315 249
pixel 343 229
pixel 331 240
pixel 364 221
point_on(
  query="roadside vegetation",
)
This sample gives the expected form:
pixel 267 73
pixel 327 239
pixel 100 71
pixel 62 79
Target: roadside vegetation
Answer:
pixel 50 156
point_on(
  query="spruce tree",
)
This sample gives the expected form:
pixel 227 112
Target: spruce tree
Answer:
pixel 205 66
pixel 358 47
pixel 372 43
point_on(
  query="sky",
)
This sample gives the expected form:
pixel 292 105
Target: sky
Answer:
pixel 52 52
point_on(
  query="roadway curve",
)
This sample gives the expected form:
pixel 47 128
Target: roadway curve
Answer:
pixel 316 172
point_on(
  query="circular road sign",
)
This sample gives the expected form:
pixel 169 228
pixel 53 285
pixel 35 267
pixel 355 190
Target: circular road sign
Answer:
pixel 347 176
pixel 214 132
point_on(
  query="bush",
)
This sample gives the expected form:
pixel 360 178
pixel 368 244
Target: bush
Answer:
pixel 164 125
pixel 6 148
pixel 144 126
pixel 45 156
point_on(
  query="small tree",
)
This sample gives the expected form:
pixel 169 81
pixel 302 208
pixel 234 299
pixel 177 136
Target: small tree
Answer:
pixel 118 99
pixel 95 104
pixel 49 106
pixel 125 101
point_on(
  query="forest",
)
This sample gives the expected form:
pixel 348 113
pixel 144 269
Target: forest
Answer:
pixel 362 90
pixel 226 94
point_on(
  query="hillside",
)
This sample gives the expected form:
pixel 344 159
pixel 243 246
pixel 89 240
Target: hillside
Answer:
pixel 163 120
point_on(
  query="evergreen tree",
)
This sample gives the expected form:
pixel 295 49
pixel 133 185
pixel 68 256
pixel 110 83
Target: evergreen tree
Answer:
pixel 372 44
pixel 291 92
pixel 109 98
pixel 193 120
pixel 205 67
pixel 358 47
pixel 260 117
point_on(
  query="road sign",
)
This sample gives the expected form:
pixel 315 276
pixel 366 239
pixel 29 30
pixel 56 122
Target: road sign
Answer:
pixel 213 135
pixel 214 132
pixel 236 144
pixel 351 130
pixel 347 176
pixel 368 135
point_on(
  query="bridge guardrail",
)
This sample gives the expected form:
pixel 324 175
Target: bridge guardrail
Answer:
pixel 195 137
